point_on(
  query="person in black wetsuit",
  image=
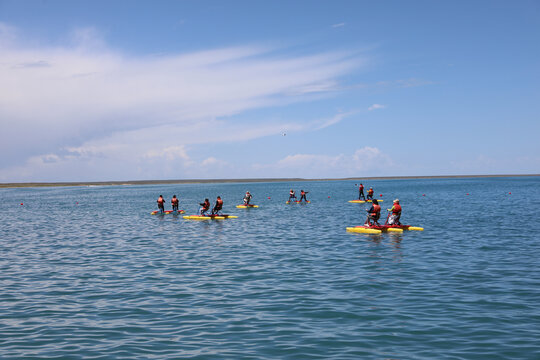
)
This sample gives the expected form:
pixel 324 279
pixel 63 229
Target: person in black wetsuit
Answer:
pixel 219 205
pixel 174 203
pixel 303 195
pixel 161 203
pixel 247 198
pixel 361 193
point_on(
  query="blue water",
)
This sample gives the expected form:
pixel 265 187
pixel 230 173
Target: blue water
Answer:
pixel 87 272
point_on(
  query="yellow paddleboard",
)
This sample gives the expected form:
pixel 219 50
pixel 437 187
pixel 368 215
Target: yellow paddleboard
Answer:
pixel 247 206
pixel 167 212
pixel 209 217
pixel 363 230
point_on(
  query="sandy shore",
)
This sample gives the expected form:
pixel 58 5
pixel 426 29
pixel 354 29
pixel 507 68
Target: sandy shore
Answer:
pixel 203 181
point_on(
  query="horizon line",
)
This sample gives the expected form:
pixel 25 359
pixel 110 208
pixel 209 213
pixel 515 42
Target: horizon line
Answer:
pixel 252 180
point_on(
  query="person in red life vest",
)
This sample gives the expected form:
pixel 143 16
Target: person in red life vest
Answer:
pixel 396 213
pixel 205 206
pixel 292 195
pixel 174 203
pixel 361 192
pixel 161 203
pixel 370 194
pixel 303 195
pixel 219 205
pixel 374 213
pixel 247 198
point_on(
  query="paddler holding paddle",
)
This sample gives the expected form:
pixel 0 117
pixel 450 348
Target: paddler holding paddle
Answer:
pixel 219 205
pixel 303 195
pixel 292 195
pixel 361 195
pixel 205 206
pixel 374 213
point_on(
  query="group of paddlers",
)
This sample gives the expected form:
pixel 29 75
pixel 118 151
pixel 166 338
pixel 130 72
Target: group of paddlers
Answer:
pixel 205 206
pixel 374 212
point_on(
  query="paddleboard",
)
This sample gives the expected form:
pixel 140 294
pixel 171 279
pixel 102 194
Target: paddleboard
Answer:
pixel 297 202
pixel 247 206
pixel 209 217
pixel 382 228
pixel 167 212
pixel 363 201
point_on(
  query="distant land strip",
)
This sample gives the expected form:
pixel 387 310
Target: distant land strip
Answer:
pixel 206 181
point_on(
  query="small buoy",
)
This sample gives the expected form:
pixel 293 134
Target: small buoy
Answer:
pixel 77 203
pixel 467 193
pixel 509 193
pixel 380 195
pixel 269 197
pixel 21 203
pixel 423 194
pixel 329 197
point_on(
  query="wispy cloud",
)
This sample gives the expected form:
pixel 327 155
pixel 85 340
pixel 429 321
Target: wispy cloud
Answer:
pixel 376 106
pixel 339 25
pixel 88 100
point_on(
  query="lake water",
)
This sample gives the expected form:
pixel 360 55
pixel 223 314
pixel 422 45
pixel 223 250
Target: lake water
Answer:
pixel 87 272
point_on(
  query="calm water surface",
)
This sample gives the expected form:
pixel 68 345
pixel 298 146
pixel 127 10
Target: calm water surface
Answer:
pixel 86 272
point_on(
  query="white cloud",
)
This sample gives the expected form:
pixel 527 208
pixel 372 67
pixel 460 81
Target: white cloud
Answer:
pixel 364 161
pixel 87 101
pixel 376 106
pixel 338 25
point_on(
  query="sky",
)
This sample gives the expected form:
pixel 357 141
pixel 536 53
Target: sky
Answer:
pixel 153 90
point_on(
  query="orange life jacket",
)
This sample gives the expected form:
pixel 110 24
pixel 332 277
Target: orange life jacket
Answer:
pixel 376 210
pixel 370 192
pixel 396 209
pixel 160 200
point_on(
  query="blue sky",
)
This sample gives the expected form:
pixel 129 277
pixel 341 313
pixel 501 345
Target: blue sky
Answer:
pixel 126 90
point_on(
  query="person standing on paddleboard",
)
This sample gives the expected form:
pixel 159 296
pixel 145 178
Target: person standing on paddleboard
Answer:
pixel 370 194
pixel 361 193
pixel 247 198
pixel 303 195
pixel 174 203
pixel 396 213
pixel 205 206
pixel 161 204
pixel 292 195
pixel 374 213
pixel 219 205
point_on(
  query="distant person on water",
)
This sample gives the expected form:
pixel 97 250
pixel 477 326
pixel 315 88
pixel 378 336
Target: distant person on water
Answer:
pixel 247 198
pixel 218 206
pixel 374 213
pixel 370 194
pixel 396 213
pixel 292 195
pixel 174 203
pixel 205 206
pixel 303 195
pixel 161 203
pixel 361 193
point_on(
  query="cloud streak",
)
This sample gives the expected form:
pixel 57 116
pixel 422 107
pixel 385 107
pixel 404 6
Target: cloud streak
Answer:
pixel 88 100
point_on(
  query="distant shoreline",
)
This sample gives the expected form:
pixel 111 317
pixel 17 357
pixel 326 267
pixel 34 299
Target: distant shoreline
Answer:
pixel 257 180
